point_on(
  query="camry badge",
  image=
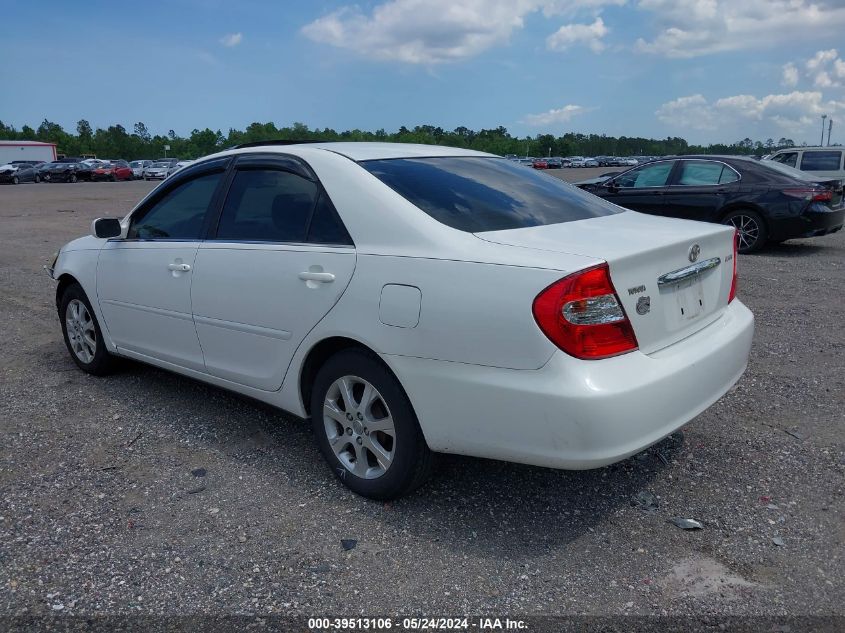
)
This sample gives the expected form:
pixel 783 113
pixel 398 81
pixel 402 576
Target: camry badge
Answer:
pixel 694 252
pixel 643 305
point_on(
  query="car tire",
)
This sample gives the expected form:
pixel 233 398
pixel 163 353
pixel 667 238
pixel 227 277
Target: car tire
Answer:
pixel 751 230
pixel 381 464
pixel 82 334
pixel 37 179
pixel 72 178
pixel 15 180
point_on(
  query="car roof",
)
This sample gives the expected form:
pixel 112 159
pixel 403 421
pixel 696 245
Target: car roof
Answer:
pixel 369 151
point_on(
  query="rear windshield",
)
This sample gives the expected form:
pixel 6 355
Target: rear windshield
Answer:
pixel 486 194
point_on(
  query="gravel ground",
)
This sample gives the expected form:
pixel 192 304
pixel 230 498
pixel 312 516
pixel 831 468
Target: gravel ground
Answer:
pixel 149 493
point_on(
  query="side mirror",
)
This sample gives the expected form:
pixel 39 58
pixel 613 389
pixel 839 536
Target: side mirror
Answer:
pixel 106 228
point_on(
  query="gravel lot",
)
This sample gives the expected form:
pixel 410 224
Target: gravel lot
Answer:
pixel 149 493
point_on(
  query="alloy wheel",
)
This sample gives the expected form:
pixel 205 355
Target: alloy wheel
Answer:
pixel 359 427
pixel 81 331
pixel 748 230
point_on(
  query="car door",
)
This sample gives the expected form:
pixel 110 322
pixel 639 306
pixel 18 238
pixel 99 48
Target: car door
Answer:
pixel 279 259
pixel 144 280
pixel 640 189
pixel 700 189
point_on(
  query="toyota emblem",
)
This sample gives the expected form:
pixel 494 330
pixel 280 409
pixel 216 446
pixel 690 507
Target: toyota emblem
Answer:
pixel 694 252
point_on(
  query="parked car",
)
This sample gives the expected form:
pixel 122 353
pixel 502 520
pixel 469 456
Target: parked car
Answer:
pixel 68 172
pixel 19 171
pixel 822 161
pixel 555 162
pixel 182 164
pixel 762 202
pixel 540 163
pixel 160 169
pixel 138 168
pixel 585 323
pixel 114 171
pixel 576 161
pixel 526 162
pixel 590 162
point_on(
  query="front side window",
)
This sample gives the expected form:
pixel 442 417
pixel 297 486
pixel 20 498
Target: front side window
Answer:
pixel 267 205
pixel 486 194
pixel 787 158
pixel 179 214
pixel 651 175
pixel 705 172
pixel 821 161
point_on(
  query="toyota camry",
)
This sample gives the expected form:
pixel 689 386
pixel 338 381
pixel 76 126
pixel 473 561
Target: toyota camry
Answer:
pixel 410 300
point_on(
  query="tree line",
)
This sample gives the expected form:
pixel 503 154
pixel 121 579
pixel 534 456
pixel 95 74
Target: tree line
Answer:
pixel 118 142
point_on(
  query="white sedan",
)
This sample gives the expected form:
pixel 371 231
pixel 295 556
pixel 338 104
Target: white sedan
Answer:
pixel 412 299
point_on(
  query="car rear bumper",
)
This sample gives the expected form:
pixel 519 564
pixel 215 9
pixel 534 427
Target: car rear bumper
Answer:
pixel 810 224
pixel 576 414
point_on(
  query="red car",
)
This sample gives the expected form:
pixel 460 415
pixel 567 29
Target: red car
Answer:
pixel 114 171
pixel 540 163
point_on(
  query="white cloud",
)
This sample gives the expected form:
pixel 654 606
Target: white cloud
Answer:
pixel 791 112
pixel 688 112
pixel 826 69
pixel 572 7
pixel 790 75
pixel 438 31
pixel 588 34
pixel 689 28
pixel 559 115
pixel 231 39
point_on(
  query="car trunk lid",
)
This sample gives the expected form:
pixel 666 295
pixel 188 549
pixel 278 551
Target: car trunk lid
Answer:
pixel 672 276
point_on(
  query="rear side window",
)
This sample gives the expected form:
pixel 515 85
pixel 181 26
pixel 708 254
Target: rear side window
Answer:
pixel 326 227
pixel 701 173
pixel 821 161
pixel 486 194
pixel 267 205
pixel 180 214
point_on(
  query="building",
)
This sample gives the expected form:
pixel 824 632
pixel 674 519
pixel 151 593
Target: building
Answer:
pixel 26 150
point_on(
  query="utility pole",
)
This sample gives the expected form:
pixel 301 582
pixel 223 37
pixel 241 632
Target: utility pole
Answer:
pixel 821 142
pixel 829 128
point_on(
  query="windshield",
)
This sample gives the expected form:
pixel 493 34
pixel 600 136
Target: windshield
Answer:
pixel 161 163
pixel 486 194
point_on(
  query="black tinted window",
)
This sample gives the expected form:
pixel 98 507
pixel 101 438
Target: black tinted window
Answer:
pixel 486 194
pixel 180 214
pixel 821 161
pixel 326 227
pixel 268 206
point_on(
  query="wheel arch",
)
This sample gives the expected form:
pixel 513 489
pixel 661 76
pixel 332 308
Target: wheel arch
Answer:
pixel 316 358
pixel 65 280
pixel 743 206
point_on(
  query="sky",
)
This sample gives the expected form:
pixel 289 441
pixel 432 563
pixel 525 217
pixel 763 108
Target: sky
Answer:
pixel 705 70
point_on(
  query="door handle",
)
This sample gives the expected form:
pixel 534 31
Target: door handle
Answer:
pixel 325 278
pixel 182 268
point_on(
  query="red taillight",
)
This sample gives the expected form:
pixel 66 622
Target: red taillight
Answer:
pixel 732 294
pixel 582 315
pixel 810 195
